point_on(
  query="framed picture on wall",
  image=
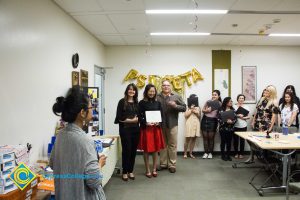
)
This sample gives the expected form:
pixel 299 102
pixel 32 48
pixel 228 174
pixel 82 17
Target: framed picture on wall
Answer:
pixel 249 83
pixel 221 81
pixel 84 78
pixel 75 78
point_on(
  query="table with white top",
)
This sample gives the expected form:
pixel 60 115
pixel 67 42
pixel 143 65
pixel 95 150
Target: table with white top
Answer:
pixel 283 146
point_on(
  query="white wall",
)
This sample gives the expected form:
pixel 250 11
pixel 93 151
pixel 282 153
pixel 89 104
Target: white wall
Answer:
pixel 275 65
pixel 37 40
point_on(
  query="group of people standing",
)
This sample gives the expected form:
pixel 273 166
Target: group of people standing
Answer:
pixel 137 133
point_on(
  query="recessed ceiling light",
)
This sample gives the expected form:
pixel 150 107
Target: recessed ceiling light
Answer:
pixel 186 11
pixel 285 34
pixel 179 33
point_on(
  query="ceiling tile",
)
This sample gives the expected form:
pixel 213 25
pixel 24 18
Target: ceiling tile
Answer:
pixel 166 23
pixel 288 24
pixel 212 4
pixel 130 23
pixel 111 40
pixel 136 40
pixel 166 4
pixel 257 5
pixel 164 40
pixel 79 5
pixel 96 24
pixel 205 23
pixel 287 5
pixel 114 5
pixel 244 40
pixel 218 39
pixel 244 21
pixel 195 40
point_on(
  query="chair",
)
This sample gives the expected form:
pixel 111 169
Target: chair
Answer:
pixel 293 183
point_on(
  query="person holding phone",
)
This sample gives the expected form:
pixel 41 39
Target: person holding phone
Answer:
pixel 74 153
pixel 151 138
pixel 129 129
pixel 192 125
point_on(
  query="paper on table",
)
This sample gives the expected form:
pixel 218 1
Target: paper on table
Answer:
pixel 153 116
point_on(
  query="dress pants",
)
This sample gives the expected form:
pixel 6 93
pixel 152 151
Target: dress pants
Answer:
pixel 129 140
pixel 226 137
pixel 238 141
pixel 168 155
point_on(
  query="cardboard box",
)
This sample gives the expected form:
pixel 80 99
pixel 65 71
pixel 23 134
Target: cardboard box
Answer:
pixel 5 174
pixel 7 165
pixel 6 157
pixel 7 189
pixel 6 182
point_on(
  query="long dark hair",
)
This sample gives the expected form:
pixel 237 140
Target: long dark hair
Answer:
pixel 69 107
pixel 219 94
pixel 291 102
pixel 135 97
pixel 290 87
pixel 225 102
pixel 147 88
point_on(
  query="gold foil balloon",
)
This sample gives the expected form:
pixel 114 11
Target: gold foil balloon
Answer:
pixel 196 75
pixel 141 81
pixel 132 74
pixel 186 78
pixel 154 79
pixel 177 84
pixel 168 77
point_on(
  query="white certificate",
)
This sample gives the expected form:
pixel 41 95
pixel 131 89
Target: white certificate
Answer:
pixel 153 116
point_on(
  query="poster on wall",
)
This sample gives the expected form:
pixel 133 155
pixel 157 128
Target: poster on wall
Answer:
pixel 84 78
pixel 75 78
pixel 222 81
pixel 249 88
pixel 93 126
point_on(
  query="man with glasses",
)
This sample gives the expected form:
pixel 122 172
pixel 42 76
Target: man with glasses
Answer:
pixel 172 104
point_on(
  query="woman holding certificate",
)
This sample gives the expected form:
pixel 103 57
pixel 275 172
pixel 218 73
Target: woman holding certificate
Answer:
pixel 127 118
pixel 151 138
pixel 209 123
pixel 242 113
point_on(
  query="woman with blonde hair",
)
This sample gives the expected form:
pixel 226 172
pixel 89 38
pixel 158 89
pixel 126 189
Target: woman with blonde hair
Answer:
pixel 266 111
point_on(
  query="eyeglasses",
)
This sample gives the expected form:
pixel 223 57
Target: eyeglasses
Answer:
pixel 166 85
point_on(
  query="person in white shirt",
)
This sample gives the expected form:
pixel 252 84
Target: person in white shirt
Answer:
pixel 240 126
pixel 289 111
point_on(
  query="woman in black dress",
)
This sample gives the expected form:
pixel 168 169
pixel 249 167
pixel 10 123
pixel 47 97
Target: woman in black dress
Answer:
pixel 127 118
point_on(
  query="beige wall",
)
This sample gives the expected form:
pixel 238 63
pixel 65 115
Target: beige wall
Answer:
pixel 275 65
pixel 37 40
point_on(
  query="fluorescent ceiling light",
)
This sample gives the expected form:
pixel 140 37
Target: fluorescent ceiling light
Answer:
pixel 186 11
pixel 180 33
pixel 285 34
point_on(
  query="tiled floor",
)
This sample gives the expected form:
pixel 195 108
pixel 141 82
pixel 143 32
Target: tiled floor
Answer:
pixel 195 179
